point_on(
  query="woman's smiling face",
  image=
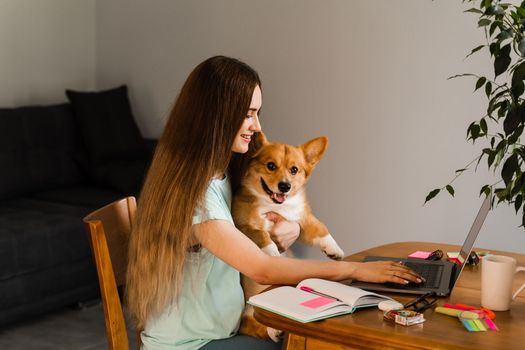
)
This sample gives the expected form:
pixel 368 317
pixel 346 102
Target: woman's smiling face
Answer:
pixel 250 125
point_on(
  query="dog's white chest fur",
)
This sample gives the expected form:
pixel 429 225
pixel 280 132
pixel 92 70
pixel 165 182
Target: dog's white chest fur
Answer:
pixel 292 209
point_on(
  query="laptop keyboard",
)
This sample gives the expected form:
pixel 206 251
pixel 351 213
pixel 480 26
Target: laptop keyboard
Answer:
pixel 431 274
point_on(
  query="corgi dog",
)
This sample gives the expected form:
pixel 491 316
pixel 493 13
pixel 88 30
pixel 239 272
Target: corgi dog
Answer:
pixel 275 181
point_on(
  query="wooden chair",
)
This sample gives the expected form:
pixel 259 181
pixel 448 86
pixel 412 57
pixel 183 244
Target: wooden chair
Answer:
pixel 108 229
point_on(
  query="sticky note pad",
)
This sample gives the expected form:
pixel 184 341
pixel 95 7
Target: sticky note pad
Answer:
pixel 420 255
pixel 469 326
pixel 490 324
pixel 453 256
pixel 480 325
pixel 317 302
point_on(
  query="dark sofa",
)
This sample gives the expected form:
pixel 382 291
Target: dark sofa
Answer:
pixel 57 164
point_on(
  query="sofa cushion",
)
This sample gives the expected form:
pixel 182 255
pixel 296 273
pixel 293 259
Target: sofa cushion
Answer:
pixel 39 148
pixel 36 234
pixel 107 125
pixel 24 296
pixel 125 176
pixel 82 195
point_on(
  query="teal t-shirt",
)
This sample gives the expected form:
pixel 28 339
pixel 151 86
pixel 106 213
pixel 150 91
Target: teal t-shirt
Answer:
pixel 211 300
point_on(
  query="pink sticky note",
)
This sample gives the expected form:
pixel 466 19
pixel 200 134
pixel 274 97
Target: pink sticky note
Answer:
pixel 420 255
pixel 317 302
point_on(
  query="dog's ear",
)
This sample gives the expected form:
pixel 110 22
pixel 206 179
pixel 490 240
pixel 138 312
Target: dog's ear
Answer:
pixel 313 151
pixel 260 139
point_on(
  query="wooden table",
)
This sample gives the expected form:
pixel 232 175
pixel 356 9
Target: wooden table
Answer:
pixel 366 329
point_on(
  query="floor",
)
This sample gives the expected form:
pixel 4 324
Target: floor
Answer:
pixel 68 329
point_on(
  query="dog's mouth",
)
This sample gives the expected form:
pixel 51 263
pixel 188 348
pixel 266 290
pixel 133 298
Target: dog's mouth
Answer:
pixel 277 198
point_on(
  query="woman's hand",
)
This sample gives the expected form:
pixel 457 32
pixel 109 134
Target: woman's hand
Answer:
pixel 284 233
pixel 385 271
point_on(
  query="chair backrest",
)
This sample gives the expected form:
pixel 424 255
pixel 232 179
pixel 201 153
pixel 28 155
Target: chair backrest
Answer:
pixel 108 229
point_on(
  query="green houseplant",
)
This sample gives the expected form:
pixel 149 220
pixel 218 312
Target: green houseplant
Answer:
pixel 504 121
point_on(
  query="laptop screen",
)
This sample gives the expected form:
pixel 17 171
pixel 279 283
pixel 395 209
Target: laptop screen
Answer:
pixel 472 235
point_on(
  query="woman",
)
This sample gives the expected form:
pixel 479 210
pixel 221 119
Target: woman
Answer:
pixel 185 254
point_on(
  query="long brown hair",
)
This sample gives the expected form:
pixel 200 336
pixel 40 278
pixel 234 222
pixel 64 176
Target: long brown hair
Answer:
pixel 194 147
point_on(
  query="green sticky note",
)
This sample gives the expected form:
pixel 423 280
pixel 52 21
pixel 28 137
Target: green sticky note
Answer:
pixel 480 325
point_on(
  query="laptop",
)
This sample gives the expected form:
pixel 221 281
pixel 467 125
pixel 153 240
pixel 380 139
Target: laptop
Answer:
pixel 441 276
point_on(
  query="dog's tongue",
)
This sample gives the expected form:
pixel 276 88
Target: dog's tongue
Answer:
pixel 279 197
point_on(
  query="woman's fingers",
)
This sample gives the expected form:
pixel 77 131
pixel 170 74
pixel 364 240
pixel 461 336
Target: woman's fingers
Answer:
pixel 403 274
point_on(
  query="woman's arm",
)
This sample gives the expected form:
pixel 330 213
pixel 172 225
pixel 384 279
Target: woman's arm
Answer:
pixel 230 245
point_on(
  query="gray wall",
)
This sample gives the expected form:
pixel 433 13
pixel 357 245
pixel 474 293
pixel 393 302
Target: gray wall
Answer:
pixel 371 75
pixel 46 46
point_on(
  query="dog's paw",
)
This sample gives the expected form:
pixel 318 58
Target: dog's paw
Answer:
pixel 271 249
pixel 275 334
pixel 331 248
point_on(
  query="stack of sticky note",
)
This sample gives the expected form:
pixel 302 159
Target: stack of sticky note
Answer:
pixel 479 325
pixel 453 256
pixel 473 319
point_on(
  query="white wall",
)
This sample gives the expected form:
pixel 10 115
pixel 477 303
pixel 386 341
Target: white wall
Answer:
pixel 45 47
pixel 371 75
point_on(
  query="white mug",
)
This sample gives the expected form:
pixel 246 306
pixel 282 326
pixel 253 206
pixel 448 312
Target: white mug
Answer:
pixel 497 274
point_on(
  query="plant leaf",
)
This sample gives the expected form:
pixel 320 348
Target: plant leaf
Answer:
pixel 517 80
pixel 504 35
pixel 432 194
pixel 450 190
pixel 515 135
pixel 483 126
pixel 517 184
pixel 502 61
pixel 474 132
pixel 494 49
pixel 484 22
pixel 474 50
pixel 480 82
pixel 488 89
pixel 484 189
pixel 503 109
pixel 493 27
pixel 474 10
pixel 517 202
pixel 491 158
pixel 501 193
pixel 509 168
pixel 512 120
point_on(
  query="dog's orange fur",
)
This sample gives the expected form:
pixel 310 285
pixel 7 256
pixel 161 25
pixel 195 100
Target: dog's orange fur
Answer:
pixel 253 201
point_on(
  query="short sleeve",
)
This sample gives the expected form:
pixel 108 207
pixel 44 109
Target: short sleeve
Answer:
pixel 215 207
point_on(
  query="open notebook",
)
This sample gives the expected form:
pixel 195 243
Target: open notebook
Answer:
pixel 315 299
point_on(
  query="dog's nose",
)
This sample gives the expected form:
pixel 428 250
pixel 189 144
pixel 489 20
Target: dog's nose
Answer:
pixel 284 187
